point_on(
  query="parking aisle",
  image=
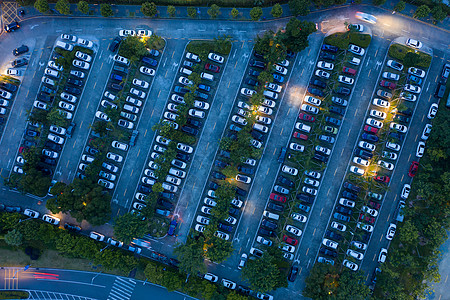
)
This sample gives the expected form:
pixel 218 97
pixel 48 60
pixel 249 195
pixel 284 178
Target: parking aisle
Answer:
pixel 154 105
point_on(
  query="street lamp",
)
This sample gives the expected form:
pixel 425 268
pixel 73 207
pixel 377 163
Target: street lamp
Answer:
pixel 104 248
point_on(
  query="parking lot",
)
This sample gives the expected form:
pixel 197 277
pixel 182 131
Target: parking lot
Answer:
pixel 284 130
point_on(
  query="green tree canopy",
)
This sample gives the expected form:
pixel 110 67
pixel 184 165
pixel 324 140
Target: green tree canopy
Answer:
pixel 106 10
pixel 438 14
pixel 214 11
pixel 256 13
pixel 234 13
pixel 296 34
pixel 13 238
pixel 41 6
pixel 191 255
pixel 422 12
pixel 63 6
pixel 299 7
pixel 171 10
pixel 400 6
pixel 192 12
pixel 129 226
pixel 277 10
pixel 352 286
pixel 83 7
pixel 149 9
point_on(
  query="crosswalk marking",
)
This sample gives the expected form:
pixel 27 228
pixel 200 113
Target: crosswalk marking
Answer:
pixel 122 289
pixel 44 295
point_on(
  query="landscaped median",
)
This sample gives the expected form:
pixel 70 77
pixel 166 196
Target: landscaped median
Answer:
pixel 14 295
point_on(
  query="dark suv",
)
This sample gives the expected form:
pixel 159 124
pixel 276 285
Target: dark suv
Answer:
pixel 20 50
pixel 257 64
pixel 344 210
pixel 12 27
pixel 20 62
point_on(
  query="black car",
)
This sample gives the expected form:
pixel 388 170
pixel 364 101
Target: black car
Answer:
pixel 150 61
pixel 284 181
pixel 246 170
pixel 266 232
pixel 12 26
pixel 169 196
pixel 12 209
pixel 20 62
pixel 20 50
pixel 327 56
pixel 47 90
pixel 52 146
pixel 165 204
pixel 363 154
pixel 72 227
pixel 328 252
pixel 402 118
pixel 293 273
pixel 251 82
pixel 369 137
pixel 189 130
pixel 49 161
pixel 352 187
pixel 333 121
pixel 343 210
pixel 225 227
pixel 275 207
pixel 318 83
pixel 396 135
pixel 241 192
pixel 193 122
pixel 254 73
pixel 258 55
pixel 257 64
pixel 213 186
pixel 144 189
pixel 72 90
pixel 74 81
pixel 333 235
pixel 305 198
pixel 320 157
pixel 406 112
pixel 225 153
pixel 330 48
pixel 233 211
pixel 204 87
pixel 180 90
pixel 115 44
pixel 232 136
pixel 343 91
pixel 339 101
pixel 91 150
pixel 8 86
pixel 349 195
pixel 337 110
pixel 244 290
pixel 183 157
pixel 44 97
pixel 316 92
pixel 218 175
pixel 201 95
pixel 257 135
pixel 115 86
pixel 220 164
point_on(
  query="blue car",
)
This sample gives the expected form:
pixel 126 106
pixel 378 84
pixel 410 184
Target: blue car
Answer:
pixel 278 78
pixel 369 137
pixel 414 79
pixel 172 226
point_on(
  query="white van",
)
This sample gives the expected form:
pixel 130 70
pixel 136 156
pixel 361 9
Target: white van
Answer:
pixel 271 95
pixel 131 108
pixel 186 71
pixel 64 45
pixel 270 215
pixel 207 76
pixel 259 127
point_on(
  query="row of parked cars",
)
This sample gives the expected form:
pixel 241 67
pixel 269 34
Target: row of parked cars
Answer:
pixel 51 93
pixel 196 114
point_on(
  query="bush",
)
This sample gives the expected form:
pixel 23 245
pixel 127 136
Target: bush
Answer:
pixel 14 295
pixel 234 13
pixel 192 12
pixel 83 7
pixel 41 6
pixel 214 11
pixel 63 6
pixel 438 14
pixel 400 6
pixel 399 52
pixel 256 13
pixel 171 10
pixel 299 7
pixel 106 10
pixel 342 39
pixel 422 12
pixel 149 9
pixel 277 11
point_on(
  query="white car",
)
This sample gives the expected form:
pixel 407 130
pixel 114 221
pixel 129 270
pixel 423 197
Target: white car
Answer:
pixel 52 64
pixel 366 145
pixel 50 72
pixel 377 114
pixel 83 56
pixel 298 217
pixel 412 88
pixel 263 241
pixel 56 139
pixel 264 120
pixel 386 165
pixel 311 182
pixel 269 103
pixel 391 231
pixel 85 43
pixel 420 149
pixel 405 191
pixel 346 80
pixel 141 83
pixel 222 235
pixel 309 191
pixel 126 32
pixel 382 256
pixel 294 230
pixel 322 74
pixel 310 109
pixel 323 150
pixel 185 148
pixel 215 57
pixel 338 226
pixel 359 245
pixel 273 87
pixel 432 112
pixel 296 147
pixel 374 123
pixel 18 170
pixel 102 116
pixel 209 202
pixel 196 113
pixel 68 97
pixel 416 72
pixel 366 17
pixel 144 33
pixel 119 145
pixel 356 50
pixel 65 114
pixel 247 92
pixel 313 174
pixel 347 203
pixel 201 104
pixel 355 254
pixel 408 96
pixel 31 213
pixel 365 227
pixel 356 170
pixel 391 76
pixel 359 161
pixel 239 120
pixel 138 93
pixel 66 106
pixel 325 65
pixel 13 72
pixel 120 59
pixel 114 157
pixel 170 116
pixel 211 277
pixel 287 248
pixel 242 261
pixel 242 104
pixel 243 178
pixel 426 132
pixel 51 219
pixel 330 243
pixel 147 71
pixel 228 283
pixel 81 64
pixel 398 127
pixel 414 43
pixel 313 101
pixel 250 162
pixel 394 65
pixel 184 81
pixel 45 80
pixel 68 37
pixel 393 146
pixel 110 96
pixel 280 70
pixel 106 184
pixel 351 265
pixel 380 103
pixel 289 170
pixel 370 211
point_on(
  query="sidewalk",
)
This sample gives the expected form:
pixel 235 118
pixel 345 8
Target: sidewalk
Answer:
pixel 133 11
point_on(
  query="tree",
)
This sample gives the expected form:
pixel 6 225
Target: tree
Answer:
pixel 191 255
pixel 192 12
pixel 263 274
pixel 351 286
pixel 422 12
pixel 321 282
pixel 41 6
pixel 299 7
pixel 408 233
pixel 63 6
pixel 129 226
pixel 235 296
pixel 438 14
pixel 234 13
pixel 256 13
pixel 400 6
pixel 171 10
pixel 411 59
pixel 56 117
pixel 149 9
pixel 133 48
pixel 83 7
pixel 378 2
pixel 214 11
pixel 264 77
pixel 277 11
pixel 13 238
pixel 296 34
pixel 218 249
pixel 106 10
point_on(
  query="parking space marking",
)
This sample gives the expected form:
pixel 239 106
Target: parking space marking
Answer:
pixel 220 108
pixel 362 93
pixel 321 211
pixel 356 111
pixel 145 133
pixel 201 163
pixel 274 151
pixel 125 192
pixel 307 250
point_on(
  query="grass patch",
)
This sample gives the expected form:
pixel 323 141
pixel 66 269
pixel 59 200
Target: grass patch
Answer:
pixel 343 39
pixel 14 295
pixel 399 52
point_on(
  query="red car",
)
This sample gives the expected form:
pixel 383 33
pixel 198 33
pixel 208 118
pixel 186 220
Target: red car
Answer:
pixel 348 70
pixel 370 129
pixel 211 67
pixel 413 169
pixel 383 179
pixel 306 117
pixel 368 219
pixel 276 197
pixel 374 205
pixel 290 240
pixel 299 135
pixel 388 84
